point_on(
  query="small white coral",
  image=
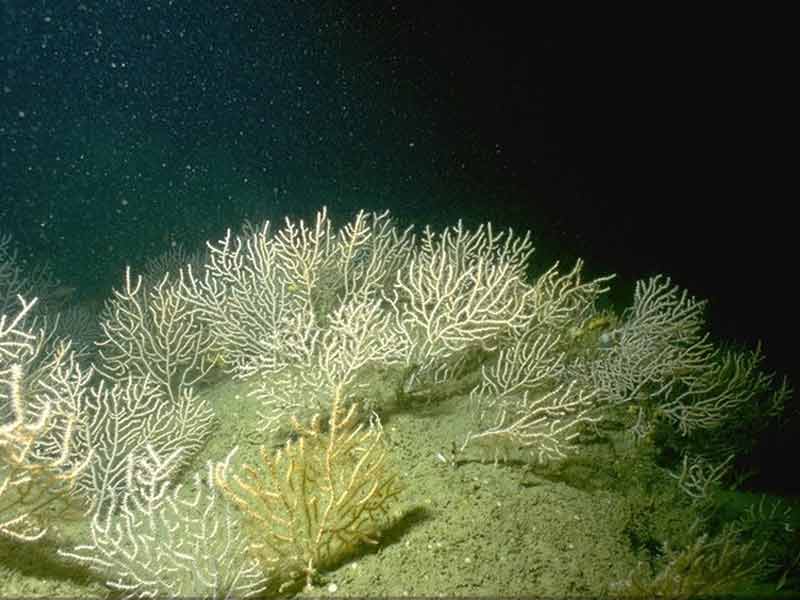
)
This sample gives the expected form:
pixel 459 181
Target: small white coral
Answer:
pixel 161 541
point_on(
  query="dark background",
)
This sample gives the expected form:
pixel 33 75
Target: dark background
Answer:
pixel 644 143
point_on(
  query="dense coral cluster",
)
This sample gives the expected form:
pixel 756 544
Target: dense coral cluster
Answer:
pixel 329 328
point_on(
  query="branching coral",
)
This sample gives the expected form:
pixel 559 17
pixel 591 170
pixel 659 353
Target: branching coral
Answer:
pixel 319 497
